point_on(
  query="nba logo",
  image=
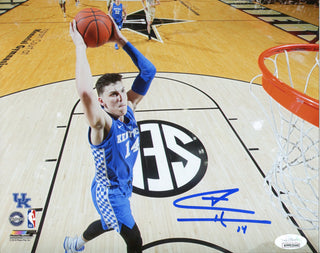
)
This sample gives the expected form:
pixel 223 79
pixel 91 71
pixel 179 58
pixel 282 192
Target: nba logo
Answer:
pixel 31 218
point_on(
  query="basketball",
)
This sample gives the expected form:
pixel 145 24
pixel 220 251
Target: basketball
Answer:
pixel 94 26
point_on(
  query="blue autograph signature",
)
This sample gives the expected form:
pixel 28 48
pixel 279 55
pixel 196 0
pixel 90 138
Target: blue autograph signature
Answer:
pixel 211 199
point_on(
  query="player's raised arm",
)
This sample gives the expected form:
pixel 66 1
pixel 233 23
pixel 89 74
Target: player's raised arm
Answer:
pixel 142 82
pixel 147 70
pixel 84 82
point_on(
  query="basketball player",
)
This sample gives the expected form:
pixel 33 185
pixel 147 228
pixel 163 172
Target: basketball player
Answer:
pixel 62 4
pixel 150 10
pixel 119 14
pixel 114 140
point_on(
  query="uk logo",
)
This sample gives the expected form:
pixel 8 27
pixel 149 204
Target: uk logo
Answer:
pixel 31 218
pixel 22 201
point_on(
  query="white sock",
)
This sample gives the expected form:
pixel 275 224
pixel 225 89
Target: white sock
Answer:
pixel 80 242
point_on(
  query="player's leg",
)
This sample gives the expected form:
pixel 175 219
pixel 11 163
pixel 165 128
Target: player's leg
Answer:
pixel 150 18
pixel 132 238
pixel 149 29
pixel 94 230
pixel 76 244
pixel 149 22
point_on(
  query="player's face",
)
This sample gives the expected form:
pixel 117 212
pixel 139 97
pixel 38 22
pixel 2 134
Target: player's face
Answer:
pixel 114 99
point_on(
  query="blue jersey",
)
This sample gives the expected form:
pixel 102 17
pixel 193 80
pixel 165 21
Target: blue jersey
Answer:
pixel 114 161
pixel 117 14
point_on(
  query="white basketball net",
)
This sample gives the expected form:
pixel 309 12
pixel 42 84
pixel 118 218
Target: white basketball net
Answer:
pixel 293 179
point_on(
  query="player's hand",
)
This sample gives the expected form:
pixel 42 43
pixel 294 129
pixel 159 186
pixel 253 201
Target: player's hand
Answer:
pixel 75 35
pixel 117 36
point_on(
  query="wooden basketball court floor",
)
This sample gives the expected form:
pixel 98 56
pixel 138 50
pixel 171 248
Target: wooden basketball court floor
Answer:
pixel 207 141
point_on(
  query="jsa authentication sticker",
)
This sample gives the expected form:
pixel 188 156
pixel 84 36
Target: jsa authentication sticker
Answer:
pixel 290 241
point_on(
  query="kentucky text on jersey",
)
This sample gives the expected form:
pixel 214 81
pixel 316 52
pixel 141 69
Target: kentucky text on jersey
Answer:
pixel 129 134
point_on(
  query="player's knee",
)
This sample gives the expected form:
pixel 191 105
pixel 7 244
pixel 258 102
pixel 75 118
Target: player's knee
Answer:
pixel 94 229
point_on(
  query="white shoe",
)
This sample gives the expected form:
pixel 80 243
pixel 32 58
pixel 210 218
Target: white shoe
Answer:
pixel 70 245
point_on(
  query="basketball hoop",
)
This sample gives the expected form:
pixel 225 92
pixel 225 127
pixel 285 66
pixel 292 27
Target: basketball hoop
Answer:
pixel 298 103
pixel 294 118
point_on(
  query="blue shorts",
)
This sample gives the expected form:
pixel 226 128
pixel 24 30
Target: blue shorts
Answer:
pixel 114 209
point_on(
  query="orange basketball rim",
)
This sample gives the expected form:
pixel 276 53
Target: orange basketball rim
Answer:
pixel 295 101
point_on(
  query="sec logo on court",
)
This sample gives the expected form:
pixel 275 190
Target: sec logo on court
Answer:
pixel 172 160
